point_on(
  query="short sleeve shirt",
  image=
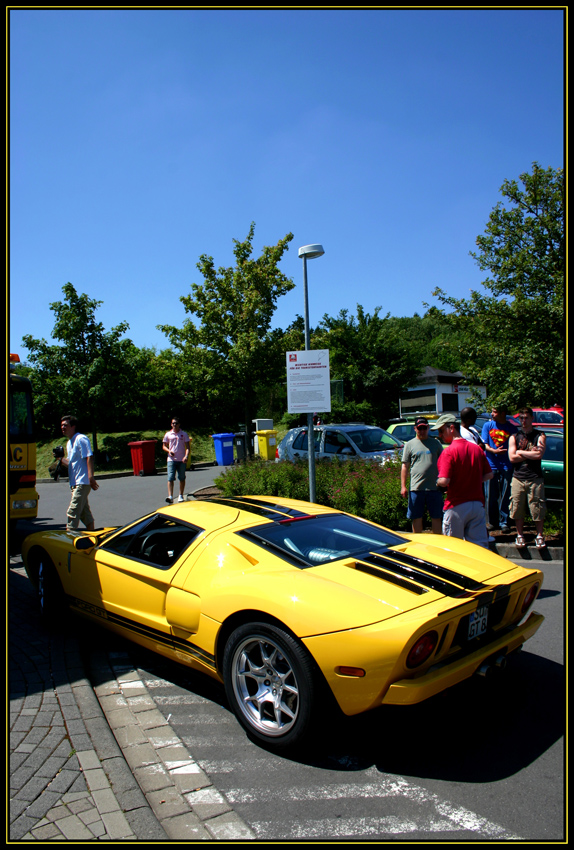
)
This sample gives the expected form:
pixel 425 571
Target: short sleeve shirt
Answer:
pixel 466 465
pixel 78 451
pixel 497 436
pixel 421 457
pixel 176 442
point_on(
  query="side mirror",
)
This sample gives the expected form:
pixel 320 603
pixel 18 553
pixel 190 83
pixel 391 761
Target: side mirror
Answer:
pixel 83 543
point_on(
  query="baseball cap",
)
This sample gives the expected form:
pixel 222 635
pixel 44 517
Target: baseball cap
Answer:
pixel 421 421
pixel 445 419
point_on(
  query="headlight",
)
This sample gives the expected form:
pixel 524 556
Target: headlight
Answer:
pixel 24 504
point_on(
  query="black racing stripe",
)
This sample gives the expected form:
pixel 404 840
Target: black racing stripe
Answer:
pixel 162 637
pixel 379 572
pixel 148 632
pixel 417 575
pixel 258 507
pixel 183 645
pixel 436 569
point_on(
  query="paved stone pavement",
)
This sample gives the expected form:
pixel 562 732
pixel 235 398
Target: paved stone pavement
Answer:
pixel 90 755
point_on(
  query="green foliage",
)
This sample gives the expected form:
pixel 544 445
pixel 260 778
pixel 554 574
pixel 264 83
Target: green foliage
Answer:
pixel 230 351
pixel 373 361
pixel 367 489
pixel 88 373
pixel 513 340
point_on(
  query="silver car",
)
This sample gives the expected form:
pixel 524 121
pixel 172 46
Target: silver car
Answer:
pixel 353 439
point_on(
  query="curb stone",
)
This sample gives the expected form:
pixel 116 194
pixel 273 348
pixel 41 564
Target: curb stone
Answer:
pixel 181 795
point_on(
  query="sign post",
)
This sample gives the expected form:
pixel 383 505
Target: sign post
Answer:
pixel 309 391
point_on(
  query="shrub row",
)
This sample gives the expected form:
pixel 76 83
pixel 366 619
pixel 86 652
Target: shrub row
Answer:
pixel 368 490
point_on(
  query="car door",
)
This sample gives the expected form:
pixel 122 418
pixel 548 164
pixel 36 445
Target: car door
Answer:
pixel 300 447
pixel 553 466
pixel 127 578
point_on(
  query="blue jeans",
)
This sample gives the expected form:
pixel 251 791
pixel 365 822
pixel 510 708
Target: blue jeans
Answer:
pixel 498 497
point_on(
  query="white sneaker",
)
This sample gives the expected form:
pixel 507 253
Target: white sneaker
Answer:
pixel 180 499
pixel 169 500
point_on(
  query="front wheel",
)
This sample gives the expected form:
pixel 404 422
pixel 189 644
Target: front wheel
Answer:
pixel 270 684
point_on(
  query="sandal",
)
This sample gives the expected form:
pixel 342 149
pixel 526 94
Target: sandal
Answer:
pixel 540 542
pixel 519 542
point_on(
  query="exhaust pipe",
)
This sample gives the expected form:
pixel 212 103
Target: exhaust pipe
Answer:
pixel 486 669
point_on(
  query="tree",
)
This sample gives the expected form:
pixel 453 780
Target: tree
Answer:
pixel 513 339
pixel 88 374
pixel 228 352
pixel 371 358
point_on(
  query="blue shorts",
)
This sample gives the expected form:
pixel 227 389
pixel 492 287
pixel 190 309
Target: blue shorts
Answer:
pixel 419 499
pixel 173 467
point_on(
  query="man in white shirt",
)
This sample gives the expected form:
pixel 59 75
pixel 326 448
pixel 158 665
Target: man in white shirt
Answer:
pixel 80 462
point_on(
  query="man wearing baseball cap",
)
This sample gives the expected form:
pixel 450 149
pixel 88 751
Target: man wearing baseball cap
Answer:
pixel 462 470
pixel 420 460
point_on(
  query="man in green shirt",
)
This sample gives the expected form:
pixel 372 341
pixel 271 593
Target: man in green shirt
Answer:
pixel 420 460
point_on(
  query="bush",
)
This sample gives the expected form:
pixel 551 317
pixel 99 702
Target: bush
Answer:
pixel 366 489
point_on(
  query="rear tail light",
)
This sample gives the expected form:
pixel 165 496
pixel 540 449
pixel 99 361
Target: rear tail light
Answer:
pixel 530 597
pixel 422 650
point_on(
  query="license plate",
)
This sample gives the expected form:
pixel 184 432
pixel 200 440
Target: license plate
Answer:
pixel 478 622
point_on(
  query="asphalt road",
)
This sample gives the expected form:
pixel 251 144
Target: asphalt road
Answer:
pixel 483 761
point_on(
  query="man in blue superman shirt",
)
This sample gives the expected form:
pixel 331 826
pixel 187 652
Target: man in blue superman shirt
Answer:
pixel 495 436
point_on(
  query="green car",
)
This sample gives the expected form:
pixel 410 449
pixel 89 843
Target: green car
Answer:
pixel 553 464
pixel 404 431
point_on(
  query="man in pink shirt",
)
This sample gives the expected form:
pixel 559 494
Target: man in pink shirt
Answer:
pixel 176 444
pixel 462 470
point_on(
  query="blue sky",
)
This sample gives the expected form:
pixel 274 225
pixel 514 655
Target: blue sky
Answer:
pixel 141 139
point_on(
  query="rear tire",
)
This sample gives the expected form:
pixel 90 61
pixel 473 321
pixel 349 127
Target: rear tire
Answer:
pixel 270 683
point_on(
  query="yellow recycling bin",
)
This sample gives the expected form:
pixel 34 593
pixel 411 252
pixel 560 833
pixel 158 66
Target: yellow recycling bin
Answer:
pixel 267 444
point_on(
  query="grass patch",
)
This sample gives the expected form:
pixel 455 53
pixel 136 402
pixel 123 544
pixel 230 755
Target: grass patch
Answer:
pixel 114 453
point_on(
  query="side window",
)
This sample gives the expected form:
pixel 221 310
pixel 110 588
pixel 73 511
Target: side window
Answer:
pixel 300 443
pixel 335 442
pixel 158 541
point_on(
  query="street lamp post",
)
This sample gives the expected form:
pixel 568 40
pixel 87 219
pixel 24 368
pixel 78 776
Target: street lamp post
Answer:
pixel 309 252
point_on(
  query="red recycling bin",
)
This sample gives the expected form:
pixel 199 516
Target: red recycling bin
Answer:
pixel 143 456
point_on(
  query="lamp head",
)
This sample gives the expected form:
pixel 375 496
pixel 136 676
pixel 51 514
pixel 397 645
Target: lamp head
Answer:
pixel 311 251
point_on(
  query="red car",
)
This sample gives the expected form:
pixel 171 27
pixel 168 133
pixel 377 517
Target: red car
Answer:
pixel 552 417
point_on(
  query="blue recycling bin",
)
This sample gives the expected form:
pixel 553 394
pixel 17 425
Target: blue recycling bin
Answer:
pixel 223 449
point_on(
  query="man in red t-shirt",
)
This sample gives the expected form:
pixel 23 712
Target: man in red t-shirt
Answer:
pixel 462 470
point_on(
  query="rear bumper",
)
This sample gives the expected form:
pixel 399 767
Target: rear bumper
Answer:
pixel 446 674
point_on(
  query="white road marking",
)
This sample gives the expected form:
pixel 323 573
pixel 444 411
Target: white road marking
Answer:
pixel 443 817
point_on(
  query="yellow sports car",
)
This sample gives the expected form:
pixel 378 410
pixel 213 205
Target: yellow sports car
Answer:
pixel 288 602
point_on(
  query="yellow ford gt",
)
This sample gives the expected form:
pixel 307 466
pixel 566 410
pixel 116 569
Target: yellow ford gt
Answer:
pixel 288 602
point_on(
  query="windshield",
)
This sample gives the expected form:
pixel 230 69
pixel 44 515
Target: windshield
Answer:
pixel 316 540
pixel 21 419
pixel 373 440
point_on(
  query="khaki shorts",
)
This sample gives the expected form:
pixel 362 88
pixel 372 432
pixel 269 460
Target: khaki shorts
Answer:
pixel 529 494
